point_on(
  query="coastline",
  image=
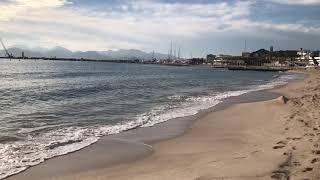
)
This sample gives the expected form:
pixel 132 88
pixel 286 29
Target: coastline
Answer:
pixel 142 152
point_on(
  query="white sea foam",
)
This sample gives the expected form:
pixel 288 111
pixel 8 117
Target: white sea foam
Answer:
pixel 193 105
pixel 19 155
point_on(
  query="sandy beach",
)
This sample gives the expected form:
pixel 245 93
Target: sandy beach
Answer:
pixel 274 139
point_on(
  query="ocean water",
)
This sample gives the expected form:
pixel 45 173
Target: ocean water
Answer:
pixel 50 108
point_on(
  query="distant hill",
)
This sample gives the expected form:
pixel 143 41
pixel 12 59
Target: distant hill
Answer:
pixel 132 54
pixel 91 55
pixel 61 52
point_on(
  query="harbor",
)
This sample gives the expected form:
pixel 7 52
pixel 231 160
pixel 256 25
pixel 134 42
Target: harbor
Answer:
pixel 256 61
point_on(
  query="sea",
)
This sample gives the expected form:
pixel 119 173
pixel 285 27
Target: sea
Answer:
pixel 51 108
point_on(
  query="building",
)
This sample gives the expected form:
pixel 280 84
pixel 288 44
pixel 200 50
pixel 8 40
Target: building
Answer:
pixel 246 54
pixel 261 53
pixel 211 58
pixel 304 55
pixel 307 57
pixel 316 57
pixel 288 54
pixel 271 49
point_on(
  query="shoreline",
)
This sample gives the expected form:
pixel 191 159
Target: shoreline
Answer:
pixel 135 140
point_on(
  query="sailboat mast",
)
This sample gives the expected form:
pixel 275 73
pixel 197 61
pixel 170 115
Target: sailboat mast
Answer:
pixel 175 50
pixel 153 55
pixel 170 50
pixel 245 45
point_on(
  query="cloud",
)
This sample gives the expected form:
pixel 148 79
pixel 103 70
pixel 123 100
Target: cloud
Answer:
pixel 11 8
pixel 297 2
pixel 147 22
pixel 144 24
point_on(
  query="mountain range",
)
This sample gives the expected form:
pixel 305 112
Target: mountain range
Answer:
pixel 61 52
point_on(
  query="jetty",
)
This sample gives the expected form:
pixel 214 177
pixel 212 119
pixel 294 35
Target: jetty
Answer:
pixel 259 68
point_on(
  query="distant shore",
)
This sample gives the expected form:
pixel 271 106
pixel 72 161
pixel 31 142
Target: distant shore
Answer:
pixel 96 60
pixel 229 67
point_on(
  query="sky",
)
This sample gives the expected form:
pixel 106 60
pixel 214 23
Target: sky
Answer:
pixel 198 27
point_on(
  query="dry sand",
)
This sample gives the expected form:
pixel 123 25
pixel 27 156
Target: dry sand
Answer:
pixel 300 139
pixel 276 139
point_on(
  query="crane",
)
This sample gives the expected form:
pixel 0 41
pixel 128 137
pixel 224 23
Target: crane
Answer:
pixel 5 49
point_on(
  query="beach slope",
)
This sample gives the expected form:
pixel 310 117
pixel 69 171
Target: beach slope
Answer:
pixel 275 139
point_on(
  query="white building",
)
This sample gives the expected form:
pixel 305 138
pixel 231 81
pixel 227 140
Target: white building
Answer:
pixel 306 56
pixel 317 59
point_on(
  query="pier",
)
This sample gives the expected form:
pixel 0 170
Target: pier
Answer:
pixel 258 68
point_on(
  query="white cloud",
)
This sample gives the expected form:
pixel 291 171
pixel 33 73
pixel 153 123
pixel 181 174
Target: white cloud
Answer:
pixel 147 25
pixel 151 23
pixel 298 2
pixel 11 8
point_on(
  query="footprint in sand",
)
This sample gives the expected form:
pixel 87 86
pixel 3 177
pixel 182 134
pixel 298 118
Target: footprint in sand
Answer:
pixel 317 152
pixel 294 138
pixel 278 147
pixel 296 163
pixel 292 116
pixel 309 134
pixel 280 174
pixel 280 144
pixel 315 160
pixel 307 169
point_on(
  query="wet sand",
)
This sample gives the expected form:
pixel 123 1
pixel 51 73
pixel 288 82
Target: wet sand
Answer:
pixel 276 138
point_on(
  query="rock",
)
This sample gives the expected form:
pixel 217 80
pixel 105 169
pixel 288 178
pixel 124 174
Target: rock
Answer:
pixel 283 99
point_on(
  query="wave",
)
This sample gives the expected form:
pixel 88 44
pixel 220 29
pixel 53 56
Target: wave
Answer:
pixel 18 155
pixel 193 105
